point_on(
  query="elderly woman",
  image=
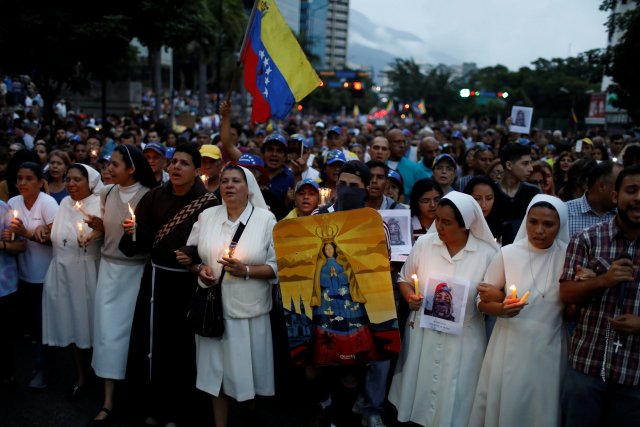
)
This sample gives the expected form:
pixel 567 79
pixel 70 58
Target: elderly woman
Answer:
pixel 525 336
pixel 70 283
pixel 438 371
pixel 238 365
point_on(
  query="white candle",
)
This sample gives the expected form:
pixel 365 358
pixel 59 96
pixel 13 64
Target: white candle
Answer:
pixel 133 218
pixel 13 234
pixel 514 294
pixel 81 232
pixel 79 206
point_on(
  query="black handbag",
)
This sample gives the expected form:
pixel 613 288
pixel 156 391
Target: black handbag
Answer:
pixel 204 313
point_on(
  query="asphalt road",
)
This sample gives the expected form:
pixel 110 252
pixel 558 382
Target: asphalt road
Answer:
pixel 23 407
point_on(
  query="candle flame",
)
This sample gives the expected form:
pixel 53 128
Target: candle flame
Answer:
pixel 414 277
pixel 130 210
pixel 512 288
pixel 94 153
pixel 80 226
pixel 15 214
pixel 204 178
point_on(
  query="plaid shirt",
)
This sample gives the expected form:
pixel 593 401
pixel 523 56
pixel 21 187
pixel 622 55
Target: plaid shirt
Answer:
pixel 596 248
pixel 582 215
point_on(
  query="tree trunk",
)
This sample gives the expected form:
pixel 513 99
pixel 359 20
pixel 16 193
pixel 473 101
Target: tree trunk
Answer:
pixel 103 101
pixel 202 86
pixel 157 79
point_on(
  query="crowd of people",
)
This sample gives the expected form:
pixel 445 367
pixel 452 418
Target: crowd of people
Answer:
pixel 108 228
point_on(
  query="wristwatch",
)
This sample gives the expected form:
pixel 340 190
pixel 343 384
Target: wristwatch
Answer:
pixel 246 276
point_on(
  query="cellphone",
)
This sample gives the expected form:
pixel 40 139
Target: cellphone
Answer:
pixel 579 146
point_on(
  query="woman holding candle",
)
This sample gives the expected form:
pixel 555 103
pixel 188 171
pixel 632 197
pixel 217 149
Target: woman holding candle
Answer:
pixel 437 372
pixel 70 283
pixel 119 276
pixel 8 295
pixel 34 212
pixel 527 350
pixel 240 364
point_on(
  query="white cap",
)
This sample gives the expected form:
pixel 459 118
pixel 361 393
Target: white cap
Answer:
pixel 320 125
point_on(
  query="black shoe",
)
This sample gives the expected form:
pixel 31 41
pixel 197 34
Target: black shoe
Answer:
pixel 103 422
pixel 76 392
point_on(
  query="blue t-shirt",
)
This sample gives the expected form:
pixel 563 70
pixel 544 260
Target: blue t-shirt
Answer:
pixel 8 266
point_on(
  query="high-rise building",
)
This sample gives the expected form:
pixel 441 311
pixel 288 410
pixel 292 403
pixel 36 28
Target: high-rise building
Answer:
pixel 324 29
pixel 290 10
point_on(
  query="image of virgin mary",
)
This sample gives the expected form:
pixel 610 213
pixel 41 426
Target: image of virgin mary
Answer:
pixel 341 328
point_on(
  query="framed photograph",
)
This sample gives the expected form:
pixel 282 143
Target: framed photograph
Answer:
pixel 399 223
pixel 521 118
pixel 444 304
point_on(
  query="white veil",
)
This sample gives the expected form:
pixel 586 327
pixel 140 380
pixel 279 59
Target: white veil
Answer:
pixel 560 207
pixel 255 195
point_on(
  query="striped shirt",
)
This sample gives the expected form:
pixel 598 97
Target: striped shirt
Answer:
pixel 596 248
pixel 582 215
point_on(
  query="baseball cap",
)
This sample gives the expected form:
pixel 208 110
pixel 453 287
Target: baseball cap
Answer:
pixel 587 141
pixel 298 137
pixel 307 181
pixel 157 147
pixel 250 160
pixel 456 134
pixel 320 125
pixel 335 129
pixel 335 156
pixel 275 137
pixel 211 151
pixel 357 168
pixel 261 132
pixel 441 157
pixel 170 152
pixel 394 175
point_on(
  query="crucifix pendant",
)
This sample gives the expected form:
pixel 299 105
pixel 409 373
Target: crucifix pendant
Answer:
pixel 64 242
pixel 617 345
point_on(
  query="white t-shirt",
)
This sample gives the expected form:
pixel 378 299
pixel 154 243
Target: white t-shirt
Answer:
pixel 34 262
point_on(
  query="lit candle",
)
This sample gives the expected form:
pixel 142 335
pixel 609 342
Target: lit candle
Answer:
pixel 512 288
pixel 94 153
pixel 415 284
pixel 79 206
pixel 81 232
pixel 13 234
pixel 416 287
pixel 524 297
pixel 324 195
pixel 133 218
pixel 227 253
pixel 204 179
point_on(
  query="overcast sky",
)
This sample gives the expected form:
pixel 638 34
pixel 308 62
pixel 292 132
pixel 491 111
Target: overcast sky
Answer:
pixel 490 32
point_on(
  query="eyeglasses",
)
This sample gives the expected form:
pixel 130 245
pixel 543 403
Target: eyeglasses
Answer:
pixel 444 168
pixel 429 202
pixel 537 182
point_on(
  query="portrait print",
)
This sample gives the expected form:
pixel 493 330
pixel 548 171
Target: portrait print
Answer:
pixel 444 304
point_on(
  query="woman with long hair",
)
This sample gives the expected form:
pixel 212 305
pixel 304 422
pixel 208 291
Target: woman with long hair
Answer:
pixel 118 276
pixel 59 161
pixel 425 195
pixel 561 169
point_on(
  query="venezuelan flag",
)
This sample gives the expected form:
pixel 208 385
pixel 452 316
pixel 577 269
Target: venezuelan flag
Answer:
pixel 276 70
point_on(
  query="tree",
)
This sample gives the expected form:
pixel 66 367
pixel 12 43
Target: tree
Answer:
pixel 62 44
pixel 622 57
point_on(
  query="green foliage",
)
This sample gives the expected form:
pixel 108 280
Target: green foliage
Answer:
pixel 622 58
pixel 539 87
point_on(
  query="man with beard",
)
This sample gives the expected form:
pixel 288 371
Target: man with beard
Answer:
pixel 442 303
pixel 602 382
pixel 162 359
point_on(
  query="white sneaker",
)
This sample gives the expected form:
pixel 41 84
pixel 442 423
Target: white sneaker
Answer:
pixel 373 421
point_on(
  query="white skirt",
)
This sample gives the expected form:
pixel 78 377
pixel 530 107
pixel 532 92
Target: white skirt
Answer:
pixel 116 295
pixel 240 364
pixel 67 301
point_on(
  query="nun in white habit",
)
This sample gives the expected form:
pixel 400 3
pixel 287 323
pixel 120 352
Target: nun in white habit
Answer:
pixel 526 357
pixel 240 363
pixel 437 372
pixel 72 277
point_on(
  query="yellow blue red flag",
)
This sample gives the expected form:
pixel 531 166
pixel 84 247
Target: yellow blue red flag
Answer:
pixel 276 70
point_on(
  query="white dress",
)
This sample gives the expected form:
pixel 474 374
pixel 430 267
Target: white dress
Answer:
pixel 522 371
pixel 117 291
pixel 70 283
pixel 437 373
pixel 240 363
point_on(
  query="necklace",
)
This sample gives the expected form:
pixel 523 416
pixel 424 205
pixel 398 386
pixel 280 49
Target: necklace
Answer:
pixel 544 262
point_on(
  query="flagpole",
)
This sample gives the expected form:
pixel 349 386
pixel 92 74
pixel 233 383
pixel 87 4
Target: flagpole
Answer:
pixel 234 76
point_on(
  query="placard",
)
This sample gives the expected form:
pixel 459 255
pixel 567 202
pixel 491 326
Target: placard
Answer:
pixel 399 223
pixel 521 119
pixel 444 304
